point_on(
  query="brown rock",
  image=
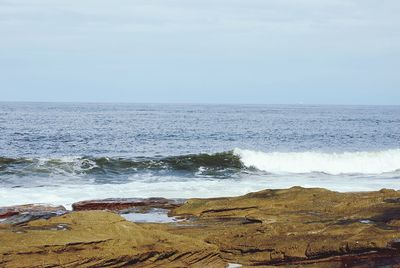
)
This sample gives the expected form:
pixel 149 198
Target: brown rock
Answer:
pixel 116 204
pixel 7 213
pixel 296 225
pixel 100 239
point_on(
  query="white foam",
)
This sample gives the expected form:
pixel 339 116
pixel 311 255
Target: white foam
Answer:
pixel 334 171
pixel 331 163
pixel 189 188
pixel 66 165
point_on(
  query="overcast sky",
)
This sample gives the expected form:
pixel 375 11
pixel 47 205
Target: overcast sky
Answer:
pixel 201 51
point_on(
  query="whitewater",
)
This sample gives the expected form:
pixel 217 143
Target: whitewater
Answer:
pixel 348 171
pixel 330 163
pixel 61 153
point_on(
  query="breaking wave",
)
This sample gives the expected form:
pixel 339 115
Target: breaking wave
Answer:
pixel 212 164
pixel 218 164
pixel 330 163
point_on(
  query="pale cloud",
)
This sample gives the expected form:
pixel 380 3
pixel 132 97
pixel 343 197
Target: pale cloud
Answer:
pixel 267 44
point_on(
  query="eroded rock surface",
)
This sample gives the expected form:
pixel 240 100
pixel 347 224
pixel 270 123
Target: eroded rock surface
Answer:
pixel 118 204
pixel 100 239
pixel 296 225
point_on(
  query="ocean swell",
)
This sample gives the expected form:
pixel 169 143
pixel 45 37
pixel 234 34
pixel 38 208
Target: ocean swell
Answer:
pixel 222 164
pixel 202 164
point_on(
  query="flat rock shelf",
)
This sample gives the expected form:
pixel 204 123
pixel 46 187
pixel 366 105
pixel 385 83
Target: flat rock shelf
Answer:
pixel 290 227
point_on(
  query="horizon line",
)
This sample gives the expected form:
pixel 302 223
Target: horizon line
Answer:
pixel 196 103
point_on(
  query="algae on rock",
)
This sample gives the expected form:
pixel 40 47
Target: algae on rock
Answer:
pixel 99 239
pixel 296 224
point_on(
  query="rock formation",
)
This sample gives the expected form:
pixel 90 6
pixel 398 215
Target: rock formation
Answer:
pixel 99 239
pixel 117 204
pixel 296 226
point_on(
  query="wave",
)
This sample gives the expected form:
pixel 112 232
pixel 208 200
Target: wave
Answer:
pixel 330 163
pixel 218 165
pixel 200 164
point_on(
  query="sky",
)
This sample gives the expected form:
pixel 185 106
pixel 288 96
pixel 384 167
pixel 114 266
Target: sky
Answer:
pixel 201 51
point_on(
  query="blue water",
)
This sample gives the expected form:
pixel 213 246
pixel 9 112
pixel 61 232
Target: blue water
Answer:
pixel 134 130
pixel 63 152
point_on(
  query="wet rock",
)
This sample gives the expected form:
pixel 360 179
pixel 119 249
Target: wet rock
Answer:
pixel 118 204
pixel 25 213
pixel 7 213
pixel 100 239
pixel 30 216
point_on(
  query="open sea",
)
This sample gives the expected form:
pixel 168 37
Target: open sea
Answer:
pixel 60 153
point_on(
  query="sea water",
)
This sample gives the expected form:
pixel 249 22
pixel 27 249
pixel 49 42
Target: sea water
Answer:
pixel 60 153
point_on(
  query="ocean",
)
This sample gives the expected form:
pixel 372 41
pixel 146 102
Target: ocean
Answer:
pixel 60 153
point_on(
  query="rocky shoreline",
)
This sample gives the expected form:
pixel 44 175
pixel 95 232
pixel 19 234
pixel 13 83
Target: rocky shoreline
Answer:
pixel 297 227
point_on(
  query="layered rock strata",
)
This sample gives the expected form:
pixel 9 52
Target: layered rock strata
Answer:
pixel 100 239
pixel 296 226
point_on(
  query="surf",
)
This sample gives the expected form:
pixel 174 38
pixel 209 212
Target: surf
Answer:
pixel 377 162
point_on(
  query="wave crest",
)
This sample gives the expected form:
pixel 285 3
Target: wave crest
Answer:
pixel 203 164
pixel 331 163
pixel 218 164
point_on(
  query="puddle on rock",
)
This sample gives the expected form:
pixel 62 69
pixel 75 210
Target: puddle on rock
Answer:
pixel 366 222
pixel 151 216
